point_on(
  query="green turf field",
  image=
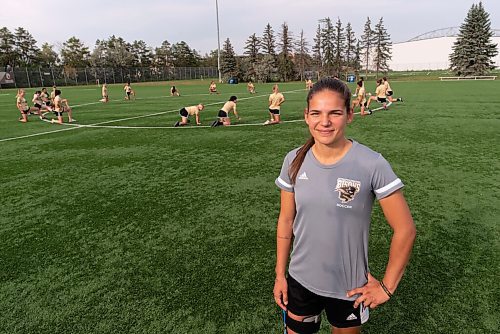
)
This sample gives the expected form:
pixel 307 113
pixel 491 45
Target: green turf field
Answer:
pixel 131 226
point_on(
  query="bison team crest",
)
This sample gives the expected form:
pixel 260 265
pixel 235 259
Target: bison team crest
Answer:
pixel 347 189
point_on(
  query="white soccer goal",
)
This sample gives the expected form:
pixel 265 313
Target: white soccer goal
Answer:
pixel 479 77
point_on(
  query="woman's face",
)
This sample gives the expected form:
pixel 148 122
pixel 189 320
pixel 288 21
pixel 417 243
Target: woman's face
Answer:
pixel 327 117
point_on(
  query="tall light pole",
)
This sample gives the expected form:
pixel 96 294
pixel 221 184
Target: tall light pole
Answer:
pixel 218 40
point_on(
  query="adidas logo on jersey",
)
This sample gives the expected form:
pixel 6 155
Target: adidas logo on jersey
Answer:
pixel 352 317
pixel 303 176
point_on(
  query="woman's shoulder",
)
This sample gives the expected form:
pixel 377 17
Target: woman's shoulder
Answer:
pixel 364 152
pixel 292 154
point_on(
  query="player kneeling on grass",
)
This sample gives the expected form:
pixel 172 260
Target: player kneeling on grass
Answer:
pixel 390 92
pixel 275 101
pixel 213 88
pixel 174 91
pixel 223 116
pixel 128 91
pixel 38 103
pixel 360 99
pixel 251 87
pixel 381 96
pixel 61 106
pixel 45 99
pixel 189 111
pixel 23 106
pixel 105 97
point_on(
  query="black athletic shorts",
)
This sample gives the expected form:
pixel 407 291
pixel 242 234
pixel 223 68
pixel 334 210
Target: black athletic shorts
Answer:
pixel 274 111
pixel 222 114
pixel 389 93
pixel 38 105
pixel 381 99
pixel 339 312
pixel 183 112
pixel 47 103
pixel 128 93
pixel 26 111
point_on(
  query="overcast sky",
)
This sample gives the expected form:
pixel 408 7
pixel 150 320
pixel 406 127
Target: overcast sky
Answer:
pixel 194 21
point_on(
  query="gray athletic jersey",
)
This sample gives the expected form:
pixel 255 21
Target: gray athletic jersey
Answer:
pixel 332 221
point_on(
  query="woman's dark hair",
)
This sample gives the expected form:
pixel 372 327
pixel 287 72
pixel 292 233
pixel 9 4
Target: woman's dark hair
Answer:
pixel 233 98
pixel 57 92
pixel 333 85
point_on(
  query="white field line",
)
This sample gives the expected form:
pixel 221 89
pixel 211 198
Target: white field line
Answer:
pixel 72 126
pixel 376 109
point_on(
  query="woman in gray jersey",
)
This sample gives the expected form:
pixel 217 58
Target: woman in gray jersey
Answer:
pixel 328 187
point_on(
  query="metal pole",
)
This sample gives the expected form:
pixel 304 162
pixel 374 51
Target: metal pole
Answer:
pixel 218 40
pixel 53 79
pixel 41 78
pixel 28 77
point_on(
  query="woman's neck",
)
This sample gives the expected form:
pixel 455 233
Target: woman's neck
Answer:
pixel 329 155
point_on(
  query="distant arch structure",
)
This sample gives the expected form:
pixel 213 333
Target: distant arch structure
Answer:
pixel 444 32
pixel 431 51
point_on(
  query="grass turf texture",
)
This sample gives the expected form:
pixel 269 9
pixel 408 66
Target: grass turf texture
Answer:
pixel 106 230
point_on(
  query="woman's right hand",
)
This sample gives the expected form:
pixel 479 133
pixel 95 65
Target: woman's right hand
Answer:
pixel 280 292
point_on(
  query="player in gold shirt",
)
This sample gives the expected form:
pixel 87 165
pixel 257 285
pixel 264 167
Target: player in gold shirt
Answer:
pixel 390 92
pixel 23 106
pixel 360 98
pixel 223 115
pixel 276 99
pixel 189 111
pixel 380 97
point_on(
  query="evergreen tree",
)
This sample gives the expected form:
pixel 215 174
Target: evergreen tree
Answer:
pixel 285 63
pixel 184 56
pixel 229 67
pixel 25 48
pixel 99 56
pixel 339 48
pixel 265 69
pixel 252 48
pixel 142 53
pixel 350 47
pixel 163 55
pixel 328 46
pixel 74 53
pixel 316 49
pixel 473 51
pixel 209 60
pixel 268 42
pixel 382 48
pixel 48 57
pixel 119 52
pixel 367 41
pixel 356 64
pixel 7 54
pixel 302 58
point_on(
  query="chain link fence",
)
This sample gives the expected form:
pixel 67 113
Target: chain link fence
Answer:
pixel 69 76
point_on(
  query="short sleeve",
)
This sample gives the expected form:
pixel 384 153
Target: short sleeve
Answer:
pixel 384 180
pixel 283 181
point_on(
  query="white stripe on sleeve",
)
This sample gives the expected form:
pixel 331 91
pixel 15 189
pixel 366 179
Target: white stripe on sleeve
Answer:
pixel 389 186
pixel 280 180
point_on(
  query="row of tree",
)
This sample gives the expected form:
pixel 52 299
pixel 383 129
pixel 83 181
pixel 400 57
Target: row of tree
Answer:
pixel 19 49
pixel 336 51
pixel 268 57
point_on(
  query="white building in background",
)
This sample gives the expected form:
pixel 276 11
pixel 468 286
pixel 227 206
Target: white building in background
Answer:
pixel 430 51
